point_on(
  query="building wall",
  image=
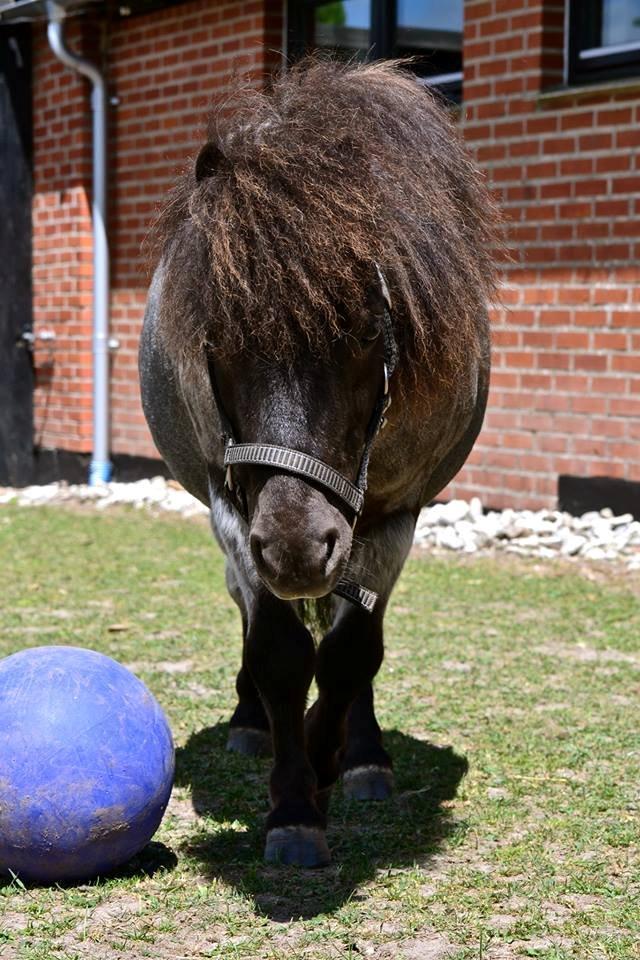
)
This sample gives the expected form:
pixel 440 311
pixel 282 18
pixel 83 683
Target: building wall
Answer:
pixel 565 395
pixel 62 245
pixel 564 165
pixel 162 69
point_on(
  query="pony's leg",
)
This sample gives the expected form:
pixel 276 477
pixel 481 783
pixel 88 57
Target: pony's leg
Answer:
pixel 347 660
pixel 278 660
pixel 279 654
pixel 249 726
pixel 341 725
pixel 367 769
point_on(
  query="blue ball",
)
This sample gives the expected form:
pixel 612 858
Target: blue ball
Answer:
pixel 86 764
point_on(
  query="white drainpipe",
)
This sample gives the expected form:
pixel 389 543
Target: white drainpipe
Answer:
pixel 100 468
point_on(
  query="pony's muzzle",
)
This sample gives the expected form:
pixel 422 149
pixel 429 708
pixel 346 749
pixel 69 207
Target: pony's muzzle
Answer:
pixel 301 544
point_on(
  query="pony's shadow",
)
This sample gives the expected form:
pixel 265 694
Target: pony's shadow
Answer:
pixel 366 839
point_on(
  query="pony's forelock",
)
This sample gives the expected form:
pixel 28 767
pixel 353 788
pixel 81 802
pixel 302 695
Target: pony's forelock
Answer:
pixel 309 185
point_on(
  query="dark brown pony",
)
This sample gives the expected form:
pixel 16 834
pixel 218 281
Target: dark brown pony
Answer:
pixel 330 251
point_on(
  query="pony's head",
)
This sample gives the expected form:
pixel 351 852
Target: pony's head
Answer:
pixel 270 246
pixel 298 439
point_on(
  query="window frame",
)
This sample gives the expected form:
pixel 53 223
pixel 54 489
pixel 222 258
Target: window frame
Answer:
pixel 383 36
pixel 588 63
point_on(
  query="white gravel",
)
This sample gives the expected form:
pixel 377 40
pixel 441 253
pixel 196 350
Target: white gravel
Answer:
pixel 157 493
pixel 466 528
pixel 455 526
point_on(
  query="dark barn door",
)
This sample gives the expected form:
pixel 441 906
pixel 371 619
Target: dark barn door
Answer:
pixel 16 367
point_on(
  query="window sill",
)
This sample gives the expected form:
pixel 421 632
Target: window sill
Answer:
pixel 564 96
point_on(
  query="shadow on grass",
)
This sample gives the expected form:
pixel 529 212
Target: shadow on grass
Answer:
pixel 366 839
pixel 154 858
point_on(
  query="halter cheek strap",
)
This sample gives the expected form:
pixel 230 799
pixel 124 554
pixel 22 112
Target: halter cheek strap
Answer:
pixel 303 465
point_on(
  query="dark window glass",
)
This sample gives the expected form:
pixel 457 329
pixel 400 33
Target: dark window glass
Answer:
pixel 620 22
pixel 428 30
pixel 604 40
pixel 344 26
pixel 431 31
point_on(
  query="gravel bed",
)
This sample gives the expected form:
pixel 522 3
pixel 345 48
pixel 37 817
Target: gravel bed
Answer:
pixel 158 493
pixel 455 526
pixel 467 528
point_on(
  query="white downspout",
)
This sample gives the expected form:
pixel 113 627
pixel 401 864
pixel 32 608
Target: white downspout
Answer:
pixel 100 468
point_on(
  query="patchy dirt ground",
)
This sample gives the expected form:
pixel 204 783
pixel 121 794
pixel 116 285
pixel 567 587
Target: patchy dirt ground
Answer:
pixel 508 699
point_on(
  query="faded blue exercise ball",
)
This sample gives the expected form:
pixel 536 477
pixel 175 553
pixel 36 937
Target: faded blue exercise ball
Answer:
pixel 86 764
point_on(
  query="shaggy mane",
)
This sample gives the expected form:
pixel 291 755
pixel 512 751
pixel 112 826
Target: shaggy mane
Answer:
pixel 335 168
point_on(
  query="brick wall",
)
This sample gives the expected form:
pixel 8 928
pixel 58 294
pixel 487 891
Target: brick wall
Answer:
pixel 565 392
pixel 566 384
pixel 62 258
pixel 163 69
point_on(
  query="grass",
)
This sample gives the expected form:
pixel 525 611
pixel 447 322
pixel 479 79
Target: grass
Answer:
pixel 527 673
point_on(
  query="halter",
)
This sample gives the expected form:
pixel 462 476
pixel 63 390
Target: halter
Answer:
pixel 303 465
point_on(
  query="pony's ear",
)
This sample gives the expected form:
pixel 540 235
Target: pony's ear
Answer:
pixel 208 161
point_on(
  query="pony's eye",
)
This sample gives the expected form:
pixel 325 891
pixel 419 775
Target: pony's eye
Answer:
pixel 370 333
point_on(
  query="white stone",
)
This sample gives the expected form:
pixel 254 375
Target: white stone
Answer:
pixel 490 524
pixel 448 538
pixel 595 553
pixel 602 530
pixel 546 553
pixel 555 542
pixel 573 544
pixel 454 511
pixel 622 520
pixel 475 508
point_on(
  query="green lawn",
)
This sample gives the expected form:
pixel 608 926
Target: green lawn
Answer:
pixel 526 673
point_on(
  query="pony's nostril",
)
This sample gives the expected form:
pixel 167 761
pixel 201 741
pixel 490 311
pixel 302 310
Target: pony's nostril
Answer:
pixel 330 540
pixel 256 544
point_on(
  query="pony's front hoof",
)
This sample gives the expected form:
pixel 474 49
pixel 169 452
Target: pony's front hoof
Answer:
pixel 250 741
pixel 368 783
pixel 297 847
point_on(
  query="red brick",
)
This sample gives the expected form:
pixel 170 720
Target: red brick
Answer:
pixel 613 163
pixel 626 363
pixel 576 121
pixel 610 341
pixel 576 166
pixel 615 116
pixel 553 361
pixel 591 361
pixel 627 138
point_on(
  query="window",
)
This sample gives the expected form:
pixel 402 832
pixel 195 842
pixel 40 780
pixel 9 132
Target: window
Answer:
pixel 604 40
pixel 344 27
pixel 430 31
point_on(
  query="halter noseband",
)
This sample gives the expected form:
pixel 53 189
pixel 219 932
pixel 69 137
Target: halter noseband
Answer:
pixel 304 465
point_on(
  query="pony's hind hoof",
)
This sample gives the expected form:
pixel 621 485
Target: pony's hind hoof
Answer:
pixel 368 783
pixel 297 847
pixel 249 741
